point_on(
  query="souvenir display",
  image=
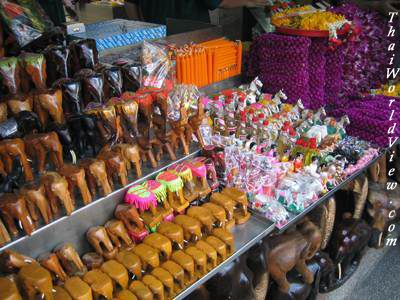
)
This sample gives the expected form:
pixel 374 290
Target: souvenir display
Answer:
pixel 172 174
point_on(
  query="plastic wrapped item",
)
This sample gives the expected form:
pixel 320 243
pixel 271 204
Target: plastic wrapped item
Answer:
pixel 297 191
pixel 72 95
pixel 158 67
pixel 183 95
pixel 10 74
pixel 25 19
pixel 112 80
pixel 35 67
pixel 131 74
pixel 84 54
pixel 93 86
pixel 272 209
pixel 58 63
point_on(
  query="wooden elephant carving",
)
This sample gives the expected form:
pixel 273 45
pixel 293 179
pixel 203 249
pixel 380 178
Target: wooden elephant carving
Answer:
pixel 234 281
pixel 346 247
pixel 292 250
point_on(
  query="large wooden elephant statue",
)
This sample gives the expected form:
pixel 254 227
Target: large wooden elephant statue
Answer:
pixel 257 263
pixel 292 250
pixel 233 282
pixel 383 210
pixel 346 248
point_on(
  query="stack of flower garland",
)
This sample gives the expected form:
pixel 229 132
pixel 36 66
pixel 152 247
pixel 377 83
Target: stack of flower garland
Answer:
pixel 365 56
pixel 305 68
pixel 369 118
pixel 280 63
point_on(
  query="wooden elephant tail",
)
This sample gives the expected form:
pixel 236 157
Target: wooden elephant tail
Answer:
pixel 261 290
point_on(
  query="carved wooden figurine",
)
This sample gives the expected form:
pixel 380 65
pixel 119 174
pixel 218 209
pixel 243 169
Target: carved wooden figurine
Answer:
pixel 184 172
pixel 92 260
pixel 173 232
pixel 50 103
pixel 76 179
pixel 145 128
pixel 191 227
pixel 36 281
pixel 12 262
pixel 174 186
pixel 129 215
pixel 97 236
pixel 51 262
pixel 57 189
pixel 140 290
pixel 95 171
pixel 293 250
pixel 241 213
pixel 148 255
pixel 131 155
pixel 146 202
pixel 161 243
pixel 15 148
pixel 78 289
pixel 131 262
pixel 13 209
pixel 229 206
pixel 38 145
pixel 35 195
pixel 100 283
pixel 70 259
pixel 118 234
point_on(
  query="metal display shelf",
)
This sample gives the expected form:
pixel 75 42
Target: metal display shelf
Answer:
pixel 246 236
pixel 73 228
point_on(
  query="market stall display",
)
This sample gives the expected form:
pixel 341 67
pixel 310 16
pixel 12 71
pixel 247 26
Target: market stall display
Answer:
pixel 109 149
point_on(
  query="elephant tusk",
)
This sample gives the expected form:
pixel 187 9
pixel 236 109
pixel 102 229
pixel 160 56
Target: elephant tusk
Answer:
pixel 339 271
pixel 73 156
pixel 380 239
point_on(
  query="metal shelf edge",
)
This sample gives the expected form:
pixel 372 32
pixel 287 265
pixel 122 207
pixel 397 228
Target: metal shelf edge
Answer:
pixel 97 202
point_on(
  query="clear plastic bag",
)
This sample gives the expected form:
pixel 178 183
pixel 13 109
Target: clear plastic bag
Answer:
pixel 158 67
pixel 26 20
pixel 183 96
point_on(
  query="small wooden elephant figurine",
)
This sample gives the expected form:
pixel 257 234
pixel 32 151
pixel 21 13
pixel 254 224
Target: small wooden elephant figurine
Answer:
pixel 160 243
pixel 129 215
pixel 57 188
pixel 173 232
pixel 92 260
pixel 131 262
pixel 36 281
pixel 100 283
pixel 51 262
pixel 35 195
pixel 119 234
pixel 191 227
pixel 97 236
pixel 13 208
pixel 96 172
pixel 15 148
pixel 12 262
pixel 70 259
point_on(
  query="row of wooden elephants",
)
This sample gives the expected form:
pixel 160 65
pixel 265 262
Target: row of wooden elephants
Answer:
pixel 322 251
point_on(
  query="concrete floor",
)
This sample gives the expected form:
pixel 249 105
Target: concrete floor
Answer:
pixel 377 277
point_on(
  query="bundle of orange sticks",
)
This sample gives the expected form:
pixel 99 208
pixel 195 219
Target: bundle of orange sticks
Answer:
pixel 208 62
